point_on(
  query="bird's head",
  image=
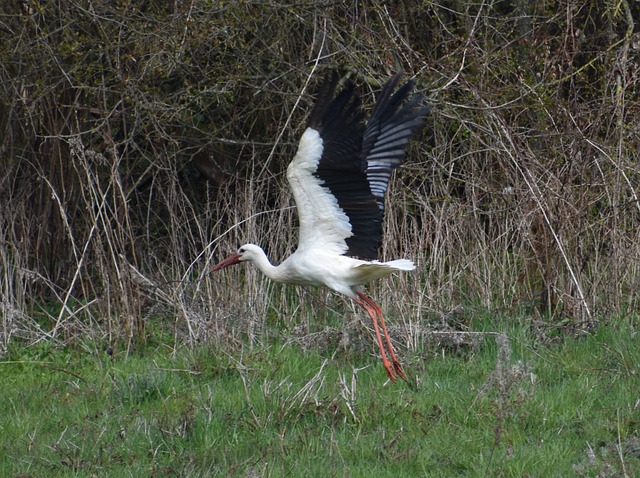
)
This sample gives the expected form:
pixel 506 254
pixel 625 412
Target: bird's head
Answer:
pixel 248 252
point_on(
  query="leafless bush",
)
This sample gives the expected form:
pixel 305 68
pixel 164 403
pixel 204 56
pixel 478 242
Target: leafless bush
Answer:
pixel 140 141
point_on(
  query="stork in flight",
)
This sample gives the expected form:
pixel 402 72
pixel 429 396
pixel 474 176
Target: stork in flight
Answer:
pixel 339 177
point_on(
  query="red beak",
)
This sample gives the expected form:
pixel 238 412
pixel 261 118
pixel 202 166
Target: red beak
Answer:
pixel 232 260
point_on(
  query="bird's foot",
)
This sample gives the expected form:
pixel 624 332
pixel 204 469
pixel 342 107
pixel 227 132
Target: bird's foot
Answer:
pixel 399 370
pixel 389 369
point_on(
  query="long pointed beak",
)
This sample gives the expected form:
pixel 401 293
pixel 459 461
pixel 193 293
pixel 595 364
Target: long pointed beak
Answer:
pixel 232 260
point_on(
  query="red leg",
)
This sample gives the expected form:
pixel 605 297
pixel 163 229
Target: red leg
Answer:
pixel 394 359
pixel 365 303
pixel 396 363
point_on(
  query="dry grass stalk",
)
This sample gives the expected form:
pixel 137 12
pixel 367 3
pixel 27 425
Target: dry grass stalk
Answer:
pixel 121 161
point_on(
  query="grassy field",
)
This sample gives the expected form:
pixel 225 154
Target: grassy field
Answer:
pixel 141 142
pixel 512 405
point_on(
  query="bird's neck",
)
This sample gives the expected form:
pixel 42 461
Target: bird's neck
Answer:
pixel 274 273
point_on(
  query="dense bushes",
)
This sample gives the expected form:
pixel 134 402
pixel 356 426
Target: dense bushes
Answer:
pixel 136 134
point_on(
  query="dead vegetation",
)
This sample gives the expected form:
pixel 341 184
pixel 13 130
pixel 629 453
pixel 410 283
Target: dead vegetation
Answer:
pixel 141 140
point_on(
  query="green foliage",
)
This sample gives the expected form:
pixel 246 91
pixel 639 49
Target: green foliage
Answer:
pixel 514 407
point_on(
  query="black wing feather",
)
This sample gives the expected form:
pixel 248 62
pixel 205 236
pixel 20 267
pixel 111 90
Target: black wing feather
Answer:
pixel 388 132
pixel 357 161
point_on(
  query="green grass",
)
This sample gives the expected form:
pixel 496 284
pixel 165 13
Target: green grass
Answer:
pixel 567 409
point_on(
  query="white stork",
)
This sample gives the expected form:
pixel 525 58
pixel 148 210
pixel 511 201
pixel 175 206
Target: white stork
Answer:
pixel 339 177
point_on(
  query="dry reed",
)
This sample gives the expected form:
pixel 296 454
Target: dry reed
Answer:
pixel 126 169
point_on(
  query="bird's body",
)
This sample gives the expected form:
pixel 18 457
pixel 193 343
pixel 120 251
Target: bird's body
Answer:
pixel 339 177
pixel 317 267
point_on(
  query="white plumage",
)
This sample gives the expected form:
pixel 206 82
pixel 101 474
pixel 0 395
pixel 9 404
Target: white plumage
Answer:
pixel 339 177
pixel 323 224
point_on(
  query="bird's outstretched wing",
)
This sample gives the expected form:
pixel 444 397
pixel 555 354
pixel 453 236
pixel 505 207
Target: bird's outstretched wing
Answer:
pixel 342 168
pixel 388 132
